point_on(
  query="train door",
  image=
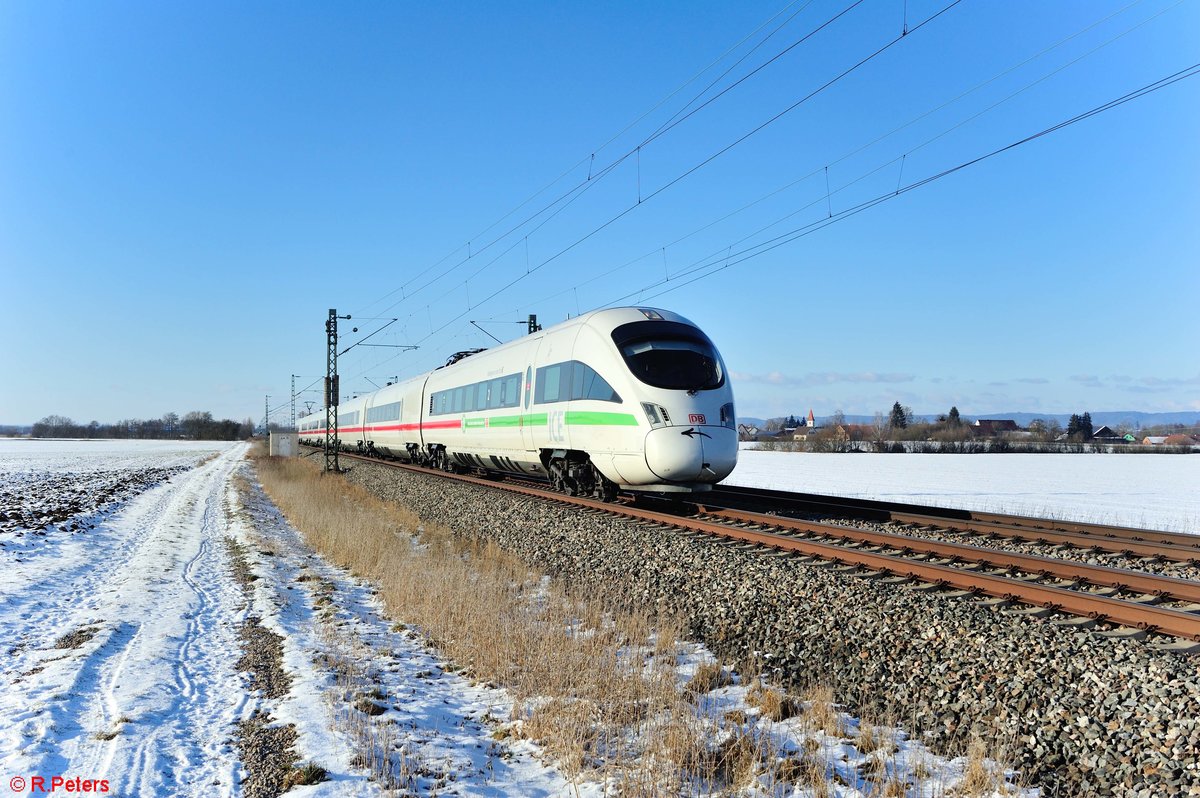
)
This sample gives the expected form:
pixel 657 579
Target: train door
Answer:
pixel 527 417
pixel 547 412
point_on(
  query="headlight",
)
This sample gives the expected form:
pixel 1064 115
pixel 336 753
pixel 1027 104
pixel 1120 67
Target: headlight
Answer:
pixel 652 414
pixel 727 417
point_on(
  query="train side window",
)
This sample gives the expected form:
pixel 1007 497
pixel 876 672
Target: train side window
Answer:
pixel 510 391
pixel 550 384
pixel 388 412
pixel 587 384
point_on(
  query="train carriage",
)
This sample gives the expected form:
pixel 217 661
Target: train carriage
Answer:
pixel 636 398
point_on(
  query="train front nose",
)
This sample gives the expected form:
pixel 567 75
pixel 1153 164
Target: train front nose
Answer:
pixel 691 454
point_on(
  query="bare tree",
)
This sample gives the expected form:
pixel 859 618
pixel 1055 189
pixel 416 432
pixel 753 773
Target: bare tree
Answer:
pixel 53 427
pixel 879 431
pixel 196 425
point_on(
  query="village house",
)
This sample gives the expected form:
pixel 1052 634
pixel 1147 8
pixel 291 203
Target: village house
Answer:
pixel 1106 434
pixel 993 427
pixel 748 432
pixel 809 427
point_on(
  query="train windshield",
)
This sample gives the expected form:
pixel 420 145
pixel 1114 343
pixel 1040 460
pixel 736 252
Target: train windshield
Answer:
pixel 675 363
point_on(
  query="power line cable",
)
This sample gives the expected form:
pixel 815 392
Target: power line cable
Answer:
pixel 831 82
pixel 589 158
pixel 800 232
pixel 711 158
pixel 751 252
pixel 879 139
pixel 568 197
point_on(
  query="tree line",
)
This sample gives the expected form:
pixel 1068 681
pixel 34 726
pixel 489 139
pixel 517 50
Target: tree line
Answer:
pixel 197 426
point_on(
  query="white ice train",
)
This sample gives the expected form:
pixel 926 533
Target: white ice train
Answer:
pixel 635 398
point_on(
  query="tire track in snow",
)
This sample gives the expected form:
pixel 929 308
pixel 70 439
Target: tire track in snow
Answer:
pixel 169 610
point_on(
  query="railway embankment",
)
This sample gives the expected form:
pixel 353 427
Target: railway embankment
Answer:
pixel 1078 713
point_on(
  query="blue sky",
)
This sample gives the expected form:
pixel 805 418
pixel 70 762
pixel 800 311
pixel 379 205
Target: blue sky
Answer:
pixel 187 188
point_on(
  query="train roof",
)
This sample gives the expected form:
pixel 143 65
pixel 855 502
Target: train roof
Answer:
pixel 606 320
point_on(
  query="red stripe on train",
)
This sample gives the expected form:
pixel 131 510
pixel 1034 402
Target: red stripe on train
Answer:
pixel 455 424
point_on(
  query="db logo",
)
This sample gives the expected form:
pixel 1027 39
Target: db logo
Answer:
pixel 695 418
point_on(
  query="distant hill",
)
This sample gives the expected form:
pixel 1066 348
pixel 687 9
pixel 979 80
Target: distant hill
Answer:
pixel 1112 418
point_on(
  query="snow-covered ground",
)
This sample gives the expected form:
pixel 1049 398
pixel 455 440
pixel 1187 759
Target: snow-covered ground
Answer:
pixel 118 635
pixel 51 455
pixel 1149 491
pixel 120 617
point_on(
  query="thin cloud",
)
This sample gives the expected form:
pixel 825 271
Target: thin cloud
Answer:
pixel 820 378
pixel 1168 383
pixel 1033 380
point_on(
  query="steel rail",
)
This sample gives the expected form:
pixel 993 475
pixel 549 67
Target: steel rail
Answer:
pixel 1166 587
pixel 1114 544
pixel 1175 546
pixel 1152 618
pixel 1148 617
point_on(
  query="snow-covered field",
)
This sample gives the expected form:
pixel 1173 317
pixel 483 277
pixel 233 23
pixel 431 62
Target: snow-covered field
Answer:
pixel 1139 490
pixel 120 617
pixel 49 455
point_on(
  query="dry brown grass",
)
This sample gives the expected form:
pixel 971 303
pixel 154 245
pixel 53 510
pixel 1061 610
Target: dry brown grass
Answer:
pixel 773 703
pixel 709 676
pixel 735 761
pixel 593 685
pixel 587 681
pixel 979 777
pixel 806 770
pixel 890 788
pixel 823 713
pixel 303 775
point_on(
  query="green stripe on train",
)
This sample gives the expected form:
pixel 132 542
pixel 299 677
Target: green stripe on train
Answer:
pixel 595 418
pixel 504 421
pixel 572 418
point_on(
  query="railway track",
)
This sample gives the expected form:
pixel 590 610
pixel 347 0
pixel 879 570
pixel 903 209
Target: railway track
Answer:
pixel 1173 546
pixel 1133 603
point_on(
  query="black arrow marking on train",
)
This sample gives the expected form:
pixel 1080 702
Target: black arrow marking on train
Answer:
pixel 692 432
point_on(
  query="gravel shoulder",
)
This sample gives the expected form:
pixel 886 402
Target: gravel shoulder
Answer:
pixel 1080 714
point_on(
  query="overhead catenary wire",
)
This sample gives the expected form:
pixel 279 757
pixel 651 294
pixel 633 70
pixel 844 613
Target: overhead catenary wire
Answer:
pixel 787 238
pixel 901 159
pixel 730 258
pixel 793 183
pixel 568 197
pixel 674 181
pixel 591 157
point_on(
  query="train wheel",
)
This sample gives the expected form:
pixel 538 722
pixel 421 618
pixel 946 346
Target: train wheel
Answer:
pixel 560 478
